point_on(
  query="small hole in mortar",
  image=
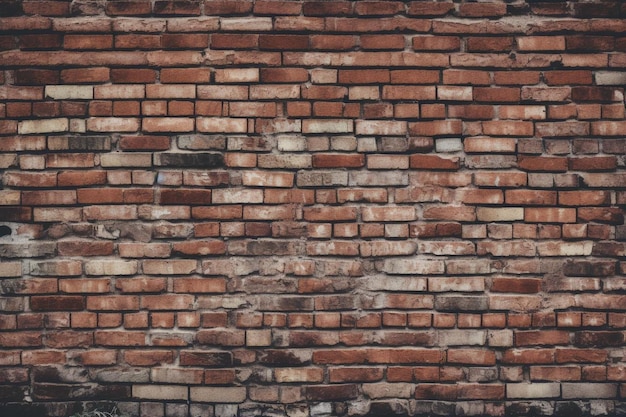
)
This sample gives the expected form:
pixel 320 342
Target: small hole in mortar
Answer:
pixel 5 231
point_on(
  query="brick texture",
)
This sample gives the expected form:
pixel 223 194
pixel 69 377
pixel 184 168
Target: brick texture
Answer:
pixel 313 208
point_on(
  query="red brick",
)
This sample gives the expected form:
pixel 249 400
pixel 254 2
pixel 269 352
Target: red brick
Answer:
pixel 234 41
pixel 36 77
pixel 433 162
pixel 433 9
pixel 139 75
pixel 482 9
pixel 489 44
pixel 382 42
pixel 215 247
pixel 597 163
pixel 406 92
pixel 374 76
pixel 499 94
pixel 83 42
pixel 333 42
pixel 584 198
pixel 436 127
pixel 338 160
pixel 283 75
pixel 123 8
pixel 319 8
pixel 466 77
pixel 549 215
pixel 283 42
pixel 543 163
pixel 378 8
pixel 541 43
pixel 176 7
pixel 38 42
pixel 181 196
pixel 280 8
pixel 436 43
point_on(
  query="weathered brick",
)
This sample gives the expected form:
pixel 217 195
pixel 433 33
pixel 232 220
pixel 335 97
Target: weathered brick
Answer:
pixel 326 154
pixel 43 126
pixel 533 390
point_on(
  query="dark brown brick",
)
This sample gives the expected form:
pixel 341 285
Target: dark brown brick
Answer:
pixel 57 303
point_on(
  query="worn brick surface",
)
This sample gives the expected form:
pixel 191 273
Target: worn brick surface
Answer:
pixel 312 208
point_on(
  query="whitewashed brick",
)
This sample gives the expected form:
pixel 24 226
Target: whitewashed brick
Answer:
pixel 533 390
pixel 160 392
pixel 69 92
pixel 218 394
pixel 28 127
pixel 327 126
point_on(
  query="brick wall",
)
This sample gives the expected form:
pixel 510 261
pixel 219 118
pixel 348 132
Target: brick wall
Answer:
pixel 304 208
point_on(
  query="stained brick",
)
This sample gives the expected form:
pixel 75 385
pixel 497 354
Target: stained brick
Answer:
pixel 272 191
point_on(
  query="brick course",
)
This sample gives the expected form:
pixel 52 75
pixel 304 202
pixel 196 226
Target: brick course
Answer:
pixel 312 208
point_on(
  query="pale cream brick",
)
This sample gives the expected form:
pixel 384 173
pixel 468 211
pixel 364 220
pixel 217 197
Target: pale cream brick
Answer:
pixel 176 376
pixel 471 337
pixel 193 24
pixel 533 390
pixel 56 214
pixel 246 24
pixel 287 375
pixel 413 266
pixel 499 214
pixel 327 126
pixel 500 338
pixel 78 125
pixel 112 160
pixel 123 24
pixel 69 92
pixel 110 267
pixel 267 179
pixel 455 93
pixel 160 392
pixel 10 269
pixel 274 91
pixel 522 112
pixel 170 267
pixel 580 390
pixel 167 124
pixel 369 92
pixel 223 92
pixel 610 78
pixel 387 390
pixel 221 125
pixel 178 91
pixel 258 338
pixel 10 198
pixel 323 76
pixel 559 248
pixel 28 127
pixel 381 127
pixel 343 143
pixel 119 91
pixel 7 160
pixel 237 75
pixel 285 161
pixel 291 143
pixel 448 145
pixel 514 302
pixel 32 162
pixel 218 394
pixel 237 196
pixel 465 284
pixel 394 283
pixel 113 124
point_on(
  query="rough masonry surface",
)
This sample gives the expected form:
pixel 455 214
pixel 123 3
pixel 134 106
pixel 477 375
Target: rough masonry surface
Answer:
pixel 308 208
